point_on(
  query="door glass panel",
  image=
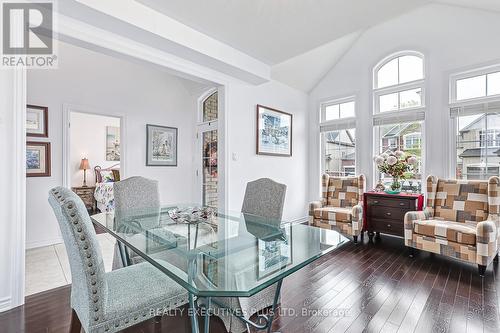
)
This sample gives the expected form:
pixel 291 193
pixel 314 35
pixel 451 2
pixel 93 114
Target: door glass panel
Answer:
pixel 210 108
pixel 209 163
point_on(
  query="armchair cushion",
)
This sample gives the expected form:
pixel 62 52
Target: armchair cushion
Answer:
pixel 463 233
pixel 338 214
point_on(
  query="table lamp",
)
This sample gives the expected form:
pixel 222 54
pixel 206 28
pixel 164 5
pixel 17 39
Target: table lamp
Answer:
pixel 84 165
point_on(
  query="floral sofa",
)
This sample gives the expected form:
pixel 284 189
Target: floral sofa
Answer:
pixel 461 220
pixel 340 206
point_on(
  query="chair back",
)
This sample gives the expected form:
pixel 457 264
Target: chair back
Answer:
pixel 462 200
pixel 136 196
pixel 265 198
pixel 342 191
pixel 88 288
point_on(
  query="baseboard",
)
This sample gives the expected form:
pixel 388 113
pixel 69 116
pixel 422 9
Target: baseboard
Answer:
pixel 43 242
pixel 300 220
pixel 5 304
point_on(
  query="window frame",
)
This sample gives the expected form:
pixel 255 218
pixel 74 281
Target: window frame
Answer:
pixel 340 124
pixel 399 116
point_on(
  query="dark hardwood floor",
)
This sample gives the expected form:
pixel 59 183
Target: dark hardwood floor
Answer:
pixel 359 288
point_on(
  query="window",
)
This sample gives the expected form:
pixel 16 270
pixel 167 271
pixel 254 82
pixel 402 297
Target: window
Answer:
pixel 406 137
pixel 210 108
pixel 477 84
pixel 412 140
pixel 477 146
pixel 338 111
pixel 338 137
pixel 398 83
pixel 399 111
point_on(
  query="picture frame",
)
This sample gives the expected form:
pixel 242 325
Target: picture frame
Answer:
pixel 274 132
pixel 38 163
pixel 161 145
pixel 37 121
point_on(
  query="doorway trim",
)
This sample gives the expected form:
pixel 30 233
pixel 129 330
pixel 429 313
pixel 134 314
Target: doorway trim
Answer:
pixel 67 109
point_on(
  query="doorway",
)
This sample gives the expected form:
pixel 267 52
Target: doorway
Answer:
pixel 207 135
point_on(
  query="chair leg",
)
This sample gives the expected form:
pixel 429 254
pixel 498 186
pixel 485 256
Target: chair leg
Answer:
pixel 481 269
pixel 496 258
pixel 76 325
pixel 411 252
pixel 157 324
pixel 355 238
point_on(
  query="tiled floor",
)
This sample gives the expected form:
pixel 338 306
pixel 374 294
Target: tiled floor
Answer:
pixel 48 267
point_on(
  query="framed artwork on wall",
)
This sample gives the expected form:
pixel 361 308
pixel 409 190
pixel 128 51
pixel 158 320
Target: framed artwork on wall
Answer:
pixel 161 145
pixel 37 121
pixel 112 143
pixel 37 159
pixel 274 132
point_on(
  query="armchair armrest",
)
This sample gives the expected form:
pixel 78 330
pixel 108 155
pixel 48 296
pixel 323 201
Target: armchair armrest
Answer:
pixel 357 219
pixel 487 239
pixel 312 206
pixel 408 223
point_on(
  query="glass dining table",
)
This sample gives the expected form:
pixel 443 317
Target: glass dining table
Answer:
pixel 215 255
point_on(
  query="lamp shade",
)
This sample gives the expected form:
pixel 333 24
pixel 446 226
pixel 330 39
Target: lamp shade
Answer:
pixel 84 164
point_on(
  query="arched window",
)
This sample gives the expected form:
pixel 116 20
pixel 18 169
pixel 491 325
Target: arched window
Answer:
pixel 399 110
pixel 210 108
pixel 399 82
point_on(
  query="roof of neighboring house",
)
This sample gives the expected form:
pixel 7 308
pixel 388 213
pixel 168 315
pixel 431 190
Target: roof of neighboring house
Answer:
pixel 349 157
pixel 396 130
pixel 336 138
pixel 478 152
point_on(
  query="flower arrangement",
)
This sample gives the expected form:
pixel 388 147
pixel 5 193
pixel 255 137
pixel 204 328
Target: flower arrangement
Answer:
pixel 398 165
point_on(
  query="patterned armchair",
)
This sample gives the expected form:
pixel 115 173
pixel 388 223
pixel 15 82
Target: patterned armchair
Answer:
pixel 461 220
pixel 341 205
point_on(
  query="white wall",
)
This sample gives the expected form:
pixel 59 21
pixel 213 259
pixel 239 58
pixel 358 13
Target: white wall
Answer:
pixel 114 87
pixel 249 166
pixel 90 144
pixel 451 38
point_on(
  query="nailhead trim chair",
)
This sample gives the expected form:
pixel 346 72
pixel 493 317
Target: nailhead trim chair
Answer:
pixel 107 302
pixel 341 205
pixel 461 220
pixel 264 198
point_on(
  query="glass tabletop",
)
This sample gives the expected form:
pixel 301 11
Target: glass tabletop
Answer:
pixel 215 254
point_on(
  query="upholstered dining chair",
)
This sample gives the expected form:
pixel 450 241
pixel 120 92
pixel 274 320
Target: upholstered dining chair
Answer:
pixel 461 220
pixel 263 198
pixel 100 301
pixel 133 195
pixel 341 205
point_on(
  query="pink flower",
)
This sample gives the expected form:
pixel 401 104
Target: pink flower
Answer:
pixel 412 160
pixel 391 160
pixel 379 160
pixel 399 153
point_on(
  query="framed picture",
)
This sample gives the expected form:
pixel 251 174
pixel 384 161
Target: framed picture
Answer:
pixel 161 146
pixel 37 159
pixel 37 121
pixel 274 132
pixel 112 143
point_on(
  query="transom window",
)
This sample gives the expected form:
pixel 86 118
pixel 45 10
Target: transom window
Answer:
pixel 340 109
pixel 402 69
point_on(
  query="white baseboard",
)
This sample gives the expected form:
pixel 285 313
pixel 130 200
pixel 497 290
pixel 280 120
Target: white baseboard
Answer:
pixel 5 304
pixel 44 242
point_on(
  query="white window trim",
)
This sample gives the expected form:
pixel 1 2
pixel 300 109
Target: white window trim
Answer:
pixel 416 114
pixel 336 124
pixel 470 74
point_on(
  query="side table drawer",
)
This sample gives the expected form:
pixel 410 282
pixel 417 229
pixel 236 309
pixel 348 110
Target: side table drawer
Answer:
pixel 388 226
pixel 383 212
pixel 404 204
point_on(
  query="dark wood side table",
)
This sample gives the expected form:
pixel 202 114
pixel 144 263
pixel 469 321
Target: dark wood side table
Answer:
pixel 384 213
pixel 86 193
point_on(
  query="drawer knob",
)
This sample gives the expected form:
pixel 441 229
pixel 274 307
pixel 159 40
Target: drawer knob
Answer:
pixel 401 203
pixel 388 214
pixel 375 202
pixel 388 226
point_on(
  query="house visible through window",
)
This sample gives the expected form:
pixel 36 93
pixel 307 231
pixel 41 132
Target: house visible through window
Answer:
pixel 478 146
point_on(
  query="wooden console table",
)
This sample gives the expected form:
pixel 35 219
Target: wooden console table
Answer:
pixel 384 213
